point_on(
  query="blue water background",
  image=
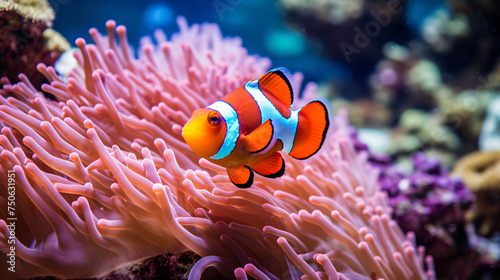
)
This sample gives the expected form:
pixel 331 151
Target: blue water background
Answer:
pixel 259 23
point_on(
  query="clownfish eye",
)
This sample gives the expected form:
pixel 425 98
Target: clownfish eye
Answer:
pixel 214 118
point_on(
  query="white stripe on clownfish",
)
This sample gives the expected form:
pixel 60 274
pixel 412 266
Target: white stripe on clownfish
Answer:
pixel 230 116
pixel 284 128
pixel 216 132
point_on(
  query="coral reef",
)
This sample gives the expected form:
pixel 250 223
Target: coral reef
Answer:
pixel 35 10
pixel 430 92
pixel 413 91
pixel 326 10
pixel 434 138
pixel 464 61
pixel 481 173
pixel 430 203
pixel 441 30
pixel 403 80
pixel 350 32
pixel 441 71
pixel 103 177
pixel 26 37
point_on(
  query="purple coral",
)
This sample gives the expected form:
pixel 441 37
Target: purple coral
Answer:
pixel 428 202
pixel 431 204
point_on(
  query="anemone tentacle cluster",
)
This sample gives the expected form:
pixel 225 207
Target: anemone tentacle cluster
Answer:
pixel 103 177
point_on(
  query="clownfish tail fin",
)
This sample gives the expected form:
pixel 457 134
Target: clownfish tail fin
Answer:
pixel 311 130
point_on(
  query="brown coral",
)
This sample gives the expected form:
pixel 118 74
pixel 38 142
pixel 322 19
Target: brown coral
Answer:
pixel 481 173
pixel 25 38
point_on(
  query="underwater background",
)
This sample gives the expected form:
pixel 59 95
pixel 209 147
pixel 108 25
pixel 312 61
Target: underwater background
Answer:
pixel 259 23
pixel 419 80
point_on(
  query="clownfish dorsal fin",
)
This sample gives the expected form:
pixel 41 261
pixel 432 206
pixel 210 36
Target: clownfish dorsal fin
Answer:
pixel 259 139
pixel 241 176
pixel 277 83
pixel 272 167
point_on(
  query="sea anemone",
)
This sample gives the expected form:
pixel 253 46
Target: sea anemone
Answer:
pixel 103 177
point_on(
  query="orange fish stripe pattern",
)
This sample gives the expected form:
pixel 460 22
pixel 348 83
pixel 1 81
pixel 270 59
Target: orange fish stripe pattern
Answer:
pixel 247 130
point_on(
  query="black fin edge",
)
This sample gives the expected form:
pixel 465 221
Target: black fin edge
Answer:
pixel 269 142
pixel 325 130
pixel 281 72
pixel 277 174
pixel 248 183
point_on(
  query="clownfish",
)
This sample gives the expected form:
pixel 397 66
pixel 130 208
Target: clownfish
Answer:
pixel 246 130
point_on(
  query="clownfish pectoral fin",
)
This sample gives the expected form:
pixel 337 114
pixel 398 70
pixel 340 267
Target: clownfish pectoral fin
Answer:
pixel 258 140
pixel 311 130
pixel 277 83
pixel 241 176
pixel 272 167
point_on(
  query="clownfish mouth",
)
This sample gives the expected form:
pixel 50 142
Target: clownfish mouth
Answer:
pixel 195 140
pixel 189 133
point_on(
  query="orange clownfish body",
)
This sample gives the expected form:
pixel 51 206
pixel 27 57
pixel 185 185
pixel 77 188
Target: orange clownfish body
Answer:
pixel 246 130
